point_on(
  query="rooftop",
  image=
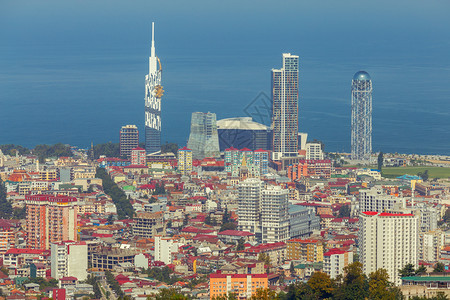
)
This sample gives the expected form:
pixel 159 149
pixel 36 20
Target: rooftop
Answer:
pixel 242 123
pixel 361 75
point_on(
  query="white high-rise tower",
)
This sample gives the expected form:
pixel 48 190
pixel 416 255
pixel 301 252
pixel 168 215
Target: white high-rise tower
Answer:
pixel 153 94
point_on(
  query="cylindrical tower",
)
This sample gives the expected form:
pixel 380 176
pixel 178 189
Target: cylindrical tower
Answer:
pixel 361 116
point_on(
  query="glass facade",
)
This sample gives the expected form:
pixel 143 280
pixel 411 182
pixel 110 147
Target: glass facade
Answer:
pixel 204 139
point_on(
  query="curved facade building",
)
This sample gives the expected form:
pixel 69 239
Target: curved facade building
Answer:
pixel 243 133
pixel 203 139
pixel 361 116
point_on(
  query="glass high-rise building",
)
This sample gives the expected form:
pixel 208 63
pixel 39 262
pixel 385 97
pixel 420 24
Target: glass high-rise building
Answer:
pixel 285 108
pixel 203 139
pixel 153 94
pixel 361 116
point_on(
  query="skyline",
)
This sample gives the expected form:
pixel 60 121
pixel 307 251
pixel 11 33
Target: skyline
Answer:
pixel 219 69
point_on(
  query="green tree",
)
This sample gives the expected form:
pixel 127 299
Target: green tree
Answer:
pixel 344 211
pixel 439 268
pixel 169 294
pixel 380 161
pixel 5 206
pixel 264 258
pixel 380 288
pixel 240 245
pixel 321 285
pixel 292 269
pixel 124 207
pixel 424 175
pixel 264 294
pixel 228 226
pixel 208 219
pixel 354 285
pixel 11 149
pixel 186 220
pixel 229 296
pixel 226 216
pixel 407 271
pixel 20 212
pixel 170 147
pixel 107 149
pixel 421 270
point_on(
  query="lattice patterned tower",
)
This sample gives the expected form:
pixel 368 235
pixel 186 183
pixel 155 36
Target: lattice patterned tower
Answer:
pixel 361 116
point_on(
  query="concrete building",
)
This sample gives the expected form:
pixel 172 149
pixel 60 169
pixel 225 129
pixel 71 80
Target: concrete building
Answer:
pixel 243 133
pixel 335 260
pixel 107 259
pixel 243 285
pixel 69 258
pixel 304 249
pixel 249 205
pixel 185 160
pixel 8 231
pixel 302 221
pixel 375 199
pixel 388 241
pixel 255 162
pixel 50 219
pixel 310 168
pixel 430 244
pixel 148 225
pixel 129 139
pixel 302 138
pixel 164 248
pixel 314 151
pixel 138 156
pixel 285 108
pixel 274 214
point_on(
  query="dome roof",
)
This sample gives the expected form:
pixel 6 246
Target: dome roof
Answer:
pixel 361 75
pixel 242 123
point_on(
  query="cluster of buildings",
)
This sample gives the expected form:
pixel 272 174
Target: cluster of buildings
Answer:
pixel 216 223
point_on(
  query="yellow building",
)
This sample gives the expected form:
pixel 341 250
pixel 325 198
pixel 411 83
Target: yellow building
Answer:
pixel 48 175
pixel 243 285
pixel 309 250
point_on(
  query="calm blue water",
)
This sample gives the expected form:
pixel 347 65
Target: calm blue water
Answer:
pixel 74 72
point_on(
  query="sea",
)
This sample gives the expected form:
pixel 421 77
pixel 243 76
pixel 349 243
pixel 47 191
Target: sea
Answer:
pixel 73 71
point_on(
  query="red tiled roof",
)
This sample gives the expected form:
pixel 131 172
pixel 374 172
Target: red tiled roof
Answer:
pixel 334 251
pixel 24 251
pixel 184 148
pixel 235 233
pixel 219 275
pixel 384 214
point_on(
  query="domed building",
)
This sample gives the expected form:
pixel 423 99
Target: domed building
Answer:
pixel 243 133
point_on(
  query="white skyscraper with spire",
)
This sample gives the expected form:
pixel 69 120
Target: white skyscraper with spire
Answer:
pixel 153 94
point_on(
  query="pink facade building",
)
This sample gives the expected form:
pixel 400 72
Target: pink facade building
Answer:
pixel 50 219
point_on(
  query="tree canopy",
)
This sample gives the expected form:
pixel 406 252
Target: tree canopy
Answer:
pixel 123 205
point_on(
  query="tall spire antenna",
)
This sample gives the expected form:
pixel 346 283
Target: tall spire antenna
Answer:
pixel 153 40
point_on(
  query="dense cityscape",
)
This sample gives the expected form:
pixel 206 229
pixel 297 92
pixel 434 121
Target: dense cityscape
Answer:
pixel 244 210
